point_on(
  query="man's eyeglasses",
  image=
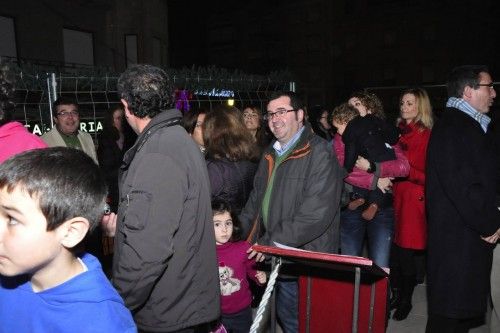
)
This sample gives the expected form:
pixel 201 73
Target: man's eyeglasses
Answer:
pixel 65 114
pixel 490 85
pixel 280 113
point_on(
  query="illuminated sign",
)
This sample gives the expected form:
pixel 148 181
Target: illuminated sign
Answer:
pixel 85 126
pixel 215 93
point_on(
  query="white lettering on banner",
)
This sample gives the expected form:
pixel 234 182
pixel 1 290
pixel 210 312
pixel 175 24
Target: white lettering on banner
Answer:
pixel 37 130
pixel 85 126
pixel 99 127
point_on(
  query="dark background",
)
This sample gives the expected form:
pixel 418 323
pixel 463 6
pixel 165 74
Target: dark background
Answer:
pixel 335 47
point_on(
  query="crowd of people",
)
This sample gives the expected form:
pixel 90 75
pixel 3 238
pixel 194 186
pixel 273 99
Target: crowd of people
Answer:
pixel 183 197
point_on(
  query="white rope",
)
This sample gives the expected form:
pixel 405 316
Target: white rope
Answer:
pixel 265 298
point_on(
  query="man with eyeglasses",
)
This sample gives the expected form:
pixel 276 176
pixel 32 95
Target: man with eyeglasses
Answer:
pixel 463 219
pixel 66 133
pixel 296 195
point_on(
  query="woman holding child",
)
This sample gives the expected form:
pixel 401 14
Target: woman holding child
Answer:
pixel 364 177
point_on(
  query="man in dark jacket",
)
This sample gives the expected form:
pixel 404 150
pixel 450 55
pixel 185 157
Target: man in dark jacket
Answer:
pixel 165 264
pixel 463 219
pixel 495 266
pixel 296 194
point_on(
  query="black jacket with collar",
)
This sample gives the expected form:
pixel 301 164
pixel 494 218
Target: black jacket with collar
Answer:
pixel 165 264
pixel 461 170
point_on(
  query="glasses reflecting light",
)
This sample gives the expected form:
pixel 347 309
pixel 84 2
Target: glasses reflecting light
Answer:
pixel 279 113
pixel 65 114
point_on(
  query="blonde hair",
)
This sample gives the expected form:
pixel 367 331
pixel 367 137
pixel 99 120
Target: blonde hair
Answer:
pixel 424 116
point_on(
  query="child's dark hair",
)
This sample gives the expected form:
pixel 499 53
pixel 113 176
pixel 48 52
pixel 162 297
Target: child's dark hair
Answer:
pixel 220 207
pixel 65 181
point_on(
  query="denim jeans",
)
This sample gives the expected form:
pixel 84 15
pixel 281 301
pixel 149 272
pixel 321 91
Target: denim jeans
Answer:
pixel 378 232
pixel 287 304
pixel 238 322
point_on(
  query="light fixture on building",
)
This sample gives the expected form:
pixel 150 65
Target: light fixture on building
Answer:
pixel 230 102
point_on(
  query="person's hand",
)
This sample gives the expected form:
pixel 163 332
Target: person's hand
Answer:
pixel 258 255
pixel 261 277
pixel 385 184
pixel 108 224
pixel 362 163
pixel 493 238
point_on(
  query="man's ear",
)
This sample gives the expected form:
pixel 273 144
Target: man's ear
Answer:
pixel 125 107
pixel 73 231
pixel 467 93
pixel 301 115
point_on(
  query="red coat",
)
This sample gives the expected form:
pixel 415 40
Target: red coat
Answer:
pixel 409 205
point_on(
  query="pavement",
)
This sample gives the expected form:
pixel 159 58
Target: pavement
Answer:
pixel 417 319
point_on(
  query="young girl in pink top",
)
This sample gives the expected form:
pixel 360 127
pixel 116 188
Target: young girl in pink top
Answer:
pixel 234 270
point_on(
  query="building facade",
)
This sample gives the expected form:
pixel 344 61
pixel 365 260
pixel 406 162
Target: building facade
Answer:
pixel 335 47
pixel 103 33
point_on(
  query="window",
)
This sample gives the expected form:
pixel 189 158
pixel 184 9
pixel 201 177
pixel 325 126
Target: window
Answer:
pixel 78 47
pixel 430 33
pixel 7 37
pixel 427 74
pixel 157 55
pixel 131 49
pixel 389 38
pixel 389 73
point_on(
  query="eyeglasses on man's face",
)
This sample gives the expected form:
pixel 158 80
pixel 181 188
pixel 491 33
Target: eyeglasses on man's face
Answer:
pixel 490 85
pixel 65 114
pixel 279 113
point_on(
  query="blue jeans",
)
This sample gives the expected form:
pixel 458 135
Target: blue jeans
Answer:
pixel 238 322
pixel 378 232
pixel 287 304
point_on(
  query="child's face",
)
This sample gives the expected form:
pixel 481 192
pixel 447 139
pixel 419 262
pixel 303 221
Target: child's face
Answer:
pixel 340 127
pixel 223 225
pixel 26 247
pixel 355 102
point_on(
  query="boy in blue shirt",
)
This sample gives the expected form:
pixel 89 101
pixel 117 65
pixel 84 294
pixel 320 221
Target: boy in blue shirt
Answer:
pixel 49 200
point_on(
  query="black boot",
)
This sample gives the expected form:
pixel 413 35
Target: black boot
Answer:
pixel 404 308
pixel 395 298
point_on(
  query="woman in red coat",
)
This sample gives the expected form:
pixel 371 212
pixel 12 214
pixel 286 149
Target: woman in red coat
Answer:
pixel 410 236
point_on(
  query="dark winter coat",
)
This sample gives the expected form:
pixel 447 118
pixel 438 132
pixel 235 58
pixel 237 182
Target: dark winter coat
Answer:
pixel 110 158
pixel 304 204
pixel 231 181
pixel 165 264
pixel 367 136
pixel 460 202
